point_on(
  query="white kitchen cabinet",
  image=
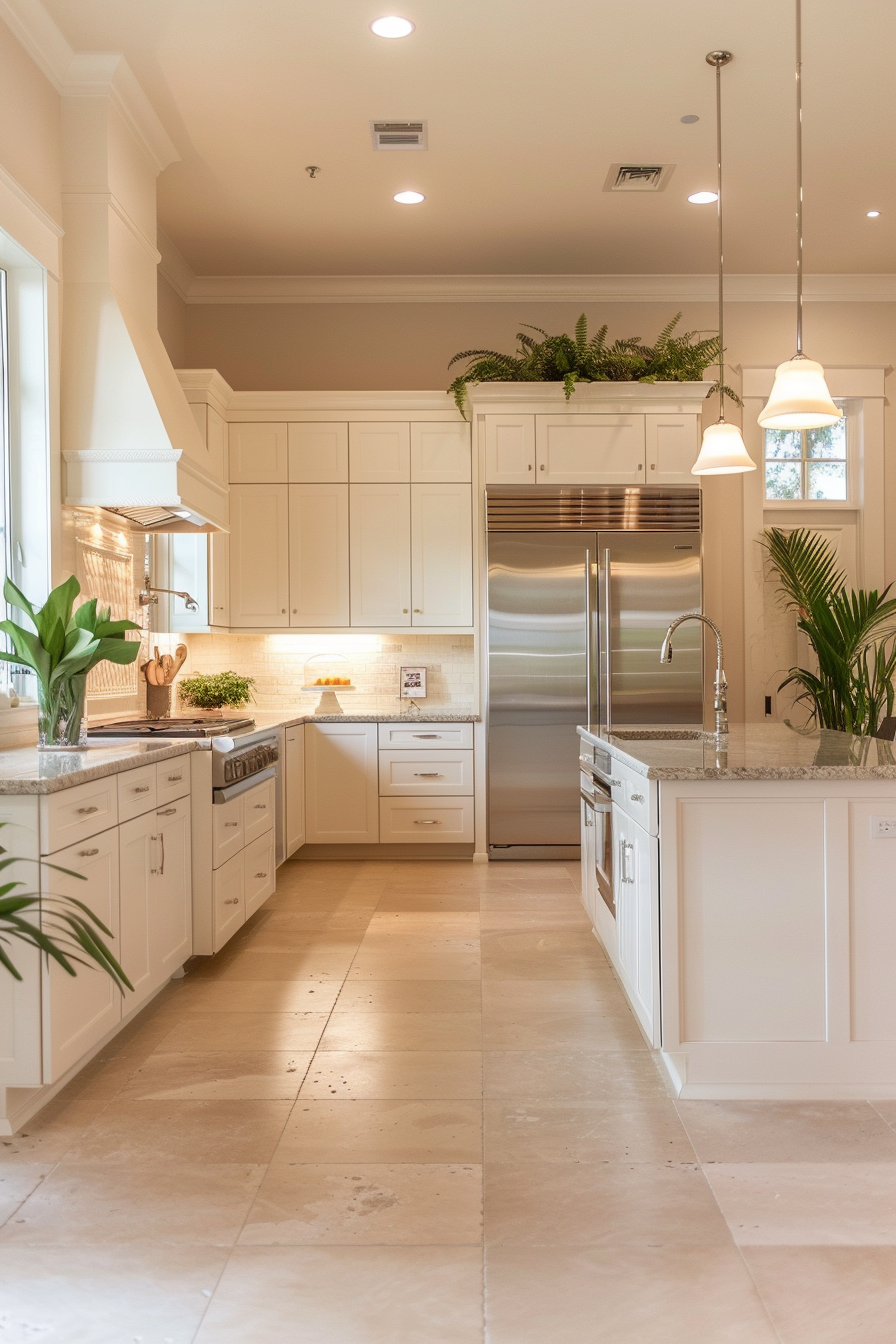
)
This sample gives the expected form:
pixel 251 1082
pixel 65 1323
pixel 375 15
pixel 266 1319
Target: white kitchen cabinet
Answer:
pixel 138 855
pixel 74 814
pixel 80 1010
pixel 441 555
pixel 258 810
pixel 227 831
pixel 440 452
pixel 318 555
pixel 259 556
pixel 425 774
pixel 294 788
pixel 215 442
pixel 590 892
pixel 341 783
pixel 196 564
pixel 414 736
pixel 260 872
pixel 259 453
pixel 636 889
pixel 379 452
pixel 417 821
pixel 20 1000
pixel 219 578
pixel 672 445
pixel 229 899
pixel 136 791
pixel 318 453
pixel 380 554
pixel 156 909
pixel 510 449
pixel 589 449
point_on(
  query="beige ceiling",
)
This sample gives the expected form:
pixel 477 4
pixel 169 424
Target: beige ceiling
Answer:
pixel 528 104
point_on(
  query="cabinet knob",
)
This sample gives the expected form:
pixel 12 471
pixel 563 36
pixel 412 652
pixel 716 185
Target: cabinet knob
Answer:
pixel 530 466
pixel 653 466
pixel 87 853
pixel 637 797
pixel 541 468
pixel 418 611
pixel 261 874
pixel 282 611
pixel 640 466
pixel 405 610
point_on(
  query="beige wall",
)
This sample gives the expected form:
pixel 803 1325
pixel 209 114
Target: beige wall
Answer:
pixel 172 317
pixel 30 126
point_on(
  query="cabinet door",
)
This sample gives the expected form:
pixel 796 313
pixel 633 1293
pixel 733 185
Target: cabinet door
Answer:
pixel 227 831
pixel 138 853
pixel 510 449
pixel 171 917
pixel 318 453
pixel 81 1010
pixel 260 872
pixel 380 554
pixel 258 810
pixel 259 555
pixel 188 573
pixel 294 783
pixel 318 555
pixel 637 920
pixel 219 578
pixel 229 898
pixel 379 452
pixel 441 452
pixel 589 449
pixel 341 783
pixel 216 443
pixel 258 452
pixel 441 555
pixel 673 442
pixel 589 875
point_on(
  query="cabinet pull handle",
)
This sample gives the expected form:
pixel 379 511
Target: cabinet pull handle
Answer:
pixel 86 811
pixel 426 734
pixel 151 839
pixel 230 823
pixel 174 779
pixel 87 853
pixel 162 840
pixel 167 812
pixel 626 848
pixel 427 823
pixel 235 901
pixel 143 788
pixel 426 774
pixel 260 807
pixel 541 468
pixel 261 874
pixel 637 797
pixel 418 611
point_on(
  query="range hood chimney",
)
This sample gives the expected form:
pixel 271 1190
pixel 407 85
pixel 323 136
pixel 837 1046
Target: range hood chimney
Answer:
pixel 130 443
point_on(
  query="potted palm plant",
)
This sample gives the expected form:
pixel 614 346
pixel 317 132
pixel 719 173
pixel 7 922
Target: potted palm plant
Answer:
pixel 852 631
pixel 61 647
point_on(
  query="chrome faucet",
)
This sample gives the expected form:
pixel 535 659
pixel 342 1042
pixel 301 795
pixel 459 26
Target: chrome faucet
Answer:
pixel 720 697
pixel 148 596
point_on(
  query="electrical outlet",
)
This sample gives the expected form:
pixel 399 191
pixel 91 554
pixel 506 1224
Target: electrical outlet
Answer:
pixel 883 828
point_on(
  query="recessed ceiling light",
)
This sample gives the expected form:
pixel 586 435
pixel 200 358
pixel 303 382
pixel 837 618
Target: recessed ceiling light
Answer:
pixel 690 119
pixel 703 198
pixel 409 197
pixel 873 214
pixel 392 26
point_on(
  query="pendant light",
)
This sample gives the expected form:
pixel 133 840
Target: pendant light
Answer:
pixel 723 451
pixel 800 398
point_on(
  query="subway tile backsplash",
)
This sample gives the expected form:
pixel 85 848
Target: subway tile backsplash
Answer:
pixel 280 665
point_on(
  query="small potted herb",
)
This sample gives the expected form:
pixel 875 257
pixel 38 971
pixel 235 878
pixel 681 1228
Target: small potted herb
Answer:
pixel 215 690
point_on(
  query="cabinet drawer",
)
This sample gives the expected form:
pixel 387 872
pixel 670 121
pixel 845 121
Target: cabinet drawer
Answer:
pixel 76 813
pixel 136 792
pixel 229 898
pixel 422 736
pixel 410 821
pixel 258 811
pixel 227 831
pixel 172 779
pixel 426 773
pixel 260 872
pixel 636 795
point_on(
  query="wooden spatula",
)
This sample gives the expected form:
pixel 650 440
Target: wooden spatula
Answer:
pixel 180 657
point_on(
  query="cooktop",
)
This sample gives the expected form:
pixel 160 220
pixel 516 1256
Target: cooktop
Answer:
pixel 169 727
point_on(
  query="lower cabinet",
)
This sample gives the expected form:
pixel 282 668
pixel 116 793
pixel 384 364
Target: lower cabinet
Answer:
pixel 636 885
pixel 294 788
pixel 243 858
pixel 341 784
pixel 414 821
pixel 260 872
pixel 156 912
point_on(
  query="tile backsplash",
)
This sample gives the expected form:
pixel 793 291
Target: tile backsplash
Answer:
pixel 280 665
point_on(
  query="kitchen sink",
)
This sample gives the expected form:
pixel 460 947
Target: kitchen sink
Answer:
pixel 659 734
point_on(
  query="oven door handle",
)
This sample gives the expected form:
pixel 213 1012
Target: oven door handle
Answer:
pixel 596 804
pixel 224 795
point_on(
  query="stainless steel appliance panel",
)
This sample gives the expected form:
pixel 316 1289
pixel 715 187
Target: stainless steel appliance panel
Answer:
pixel 646 580
pixel 539 660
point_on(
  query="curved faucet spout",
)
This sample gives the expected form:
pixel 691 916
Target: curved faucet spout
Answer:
pixel 720 697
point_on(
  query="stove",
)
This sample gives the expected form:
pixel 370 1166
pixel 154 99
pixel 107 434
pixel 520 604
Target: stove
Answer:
pixel 171 728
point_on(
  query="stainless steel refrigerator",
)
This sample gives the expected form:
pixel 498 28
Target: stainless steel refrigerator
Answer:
pixel 582 584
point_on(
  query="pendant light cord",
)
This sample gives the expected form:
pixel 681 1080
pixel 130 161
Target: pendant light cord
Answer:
pixel 799 180
pixel 718 59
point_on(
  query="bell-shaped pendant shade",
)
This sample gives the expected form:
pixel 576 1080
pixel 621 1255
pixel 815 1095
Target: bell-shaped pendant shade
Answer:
pixel 723 452
pixel 800 398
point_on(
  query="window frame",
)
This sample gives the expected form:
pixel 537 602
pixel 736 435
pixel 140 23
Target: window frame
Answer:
pixel 852 410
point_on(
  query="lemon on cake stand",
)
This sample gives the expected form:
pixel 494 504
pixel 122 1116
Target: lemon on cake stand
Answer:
pixel 325 675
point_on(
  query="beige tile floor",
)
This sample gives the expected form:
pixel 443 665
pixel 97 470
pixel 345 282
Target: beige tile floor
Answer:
pixel 408 1105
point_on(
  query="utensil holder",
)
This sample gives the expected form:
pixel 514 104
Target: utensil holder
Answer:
pixel 158 701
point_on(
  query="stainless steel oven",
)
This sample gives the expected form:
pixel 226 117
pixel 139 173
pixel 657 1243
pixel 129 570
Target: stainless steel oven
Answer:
pixel 597 801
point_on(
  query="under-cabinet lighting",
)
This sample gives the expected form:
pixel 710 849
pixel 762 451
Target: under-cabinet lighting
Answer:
pixel 324 644
pixel 392 26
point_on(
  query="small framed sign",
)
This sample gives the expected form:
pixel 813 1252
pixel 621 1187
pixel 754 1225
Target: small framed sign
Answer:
pixel 413 683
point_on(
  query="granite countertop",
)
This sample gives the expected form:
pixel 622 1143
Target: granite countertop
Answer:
pixel 27 770
pixel 754 751
pixel 271 719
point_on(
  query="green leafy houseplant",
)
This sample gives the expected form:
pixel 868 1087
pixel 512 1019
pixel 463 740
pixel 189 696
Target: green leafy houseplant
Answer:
pixel 215 690
pixel 65 930
pixel 853 633
pixel 576 359
pixel 61 648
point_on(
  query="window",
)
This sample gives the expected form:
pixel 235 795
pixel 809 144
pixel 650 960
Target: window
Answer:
pixel 807 464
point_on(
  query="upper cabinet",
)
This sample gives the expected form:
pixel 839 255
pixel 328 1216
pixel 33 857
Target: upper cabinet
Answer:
pixel 258 453
pixel 259 556
pixel 441 452
pixel 380 550
pixel 379 453
pixel 318 555
pixel 318 453
pixel 673 443
pixel 510 449
pixel 582 449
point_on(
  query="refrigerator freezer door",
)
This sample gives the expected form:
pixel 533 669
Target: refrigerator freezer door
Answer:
pixel 653 577
pixel 538 658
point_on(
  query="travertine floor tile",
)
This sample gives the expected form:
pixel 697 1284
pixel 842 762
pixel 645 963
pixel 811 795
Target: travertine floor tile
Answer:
pixel 403 1031
pixel 545 1132
pixel 424 923
pixel 405 1204
pixel 395 899
pixel 411 965
pixel 787 1131
pixel 601 993
pixel 827 1295
pixel 17 1181
pixel 261 996
pixel 382 1131
pixel 409 996
pixel 348 1295
pixel 425 1075
pixel 219 1076
pixel 302 965
pixel 534 1029
pixel 50 1134
pixel 807 1203
pixel 583 1077
pixel 149 1203
pixel 244 1031
pixel 242 1132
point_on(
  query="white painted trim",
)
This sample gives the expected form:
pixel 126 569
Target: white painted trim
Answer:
pixel 206 387
pixel 29 225
pixel 530 288
pixel 175 268
pixel 336 405
pixel 847 380
pixel 39 35
pixel 107 74
pixel 111 200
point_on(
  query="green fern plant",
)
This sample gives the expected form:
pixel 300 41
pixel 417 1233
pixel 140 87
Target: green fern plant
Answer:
pixel 577 359
pixel 853 633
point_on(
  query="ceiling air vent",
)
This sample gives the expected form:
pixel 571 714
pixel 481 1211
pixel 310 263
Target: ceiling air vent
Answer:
pixel 398 134
pixel 638 176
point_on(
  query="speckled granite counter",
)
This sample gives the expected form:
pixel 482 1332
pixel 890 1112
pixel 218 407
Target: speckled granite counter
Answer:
pixel 27 770
pixel 754 751
pixel 272 719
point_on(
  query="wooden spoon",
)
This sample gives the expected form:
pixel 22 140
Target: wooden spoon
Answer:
pixel 167 669
pixel 180 657
pixel 152 672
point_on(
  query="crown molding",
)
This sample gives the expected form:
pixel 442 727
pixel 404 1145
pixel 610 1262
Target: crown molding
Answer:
pixel 40 36
pixel 263 289
pixel 107 74
pixel 174 267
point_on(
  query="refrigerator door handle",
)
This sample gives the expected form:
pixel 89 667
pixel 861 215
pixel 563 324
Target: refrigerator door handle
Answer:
pixel 608 650
pixel 588 635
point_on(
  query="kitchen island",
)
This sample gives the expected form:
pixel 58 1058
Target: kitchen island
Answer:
pixel 754 885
